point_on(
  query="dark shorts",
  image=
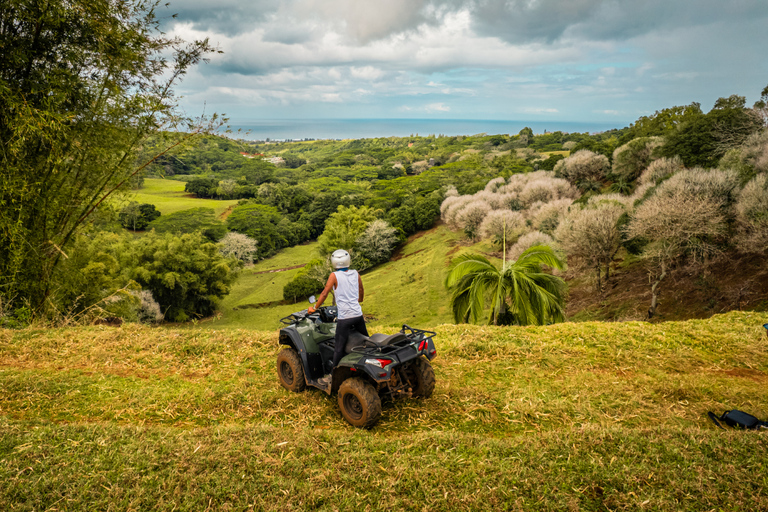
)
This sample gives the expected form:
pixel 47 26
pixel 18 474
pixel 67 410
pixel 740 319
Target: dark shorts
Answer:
pixel 342 335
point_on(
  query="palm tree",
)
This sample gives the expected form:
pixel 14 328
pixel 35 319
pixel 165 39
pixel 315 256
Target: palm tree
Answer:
pixel 520 292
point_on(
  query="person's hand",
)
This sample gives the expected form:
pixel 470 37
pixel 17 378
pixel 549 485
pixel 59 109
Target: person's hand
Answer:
pixel 311 309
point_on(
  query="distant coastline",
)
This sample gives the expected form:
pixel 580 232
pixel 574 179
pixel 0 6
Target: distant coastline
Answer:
pixel 300 129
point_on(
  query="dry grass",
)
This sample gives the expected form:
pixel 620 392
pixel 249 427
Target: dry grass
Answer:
pixel 589 416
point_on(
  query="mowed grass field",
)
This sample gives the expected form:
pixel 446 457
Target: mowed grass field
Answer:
pixel 574 416
pixel 408 289
pixel 168 196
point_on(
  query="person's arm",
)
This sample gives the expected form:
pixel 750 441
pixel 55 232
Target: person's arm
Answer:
pixel 328 286
pixel 360 291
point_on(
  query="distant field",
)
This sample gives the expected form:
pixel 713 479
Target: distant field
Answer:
pixel 577 416
pixel 408 289
pixel 168 196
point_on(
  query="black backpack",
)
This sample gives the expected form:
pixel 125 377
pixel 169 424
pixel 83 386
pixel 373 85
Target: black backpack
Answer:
pixel 738 419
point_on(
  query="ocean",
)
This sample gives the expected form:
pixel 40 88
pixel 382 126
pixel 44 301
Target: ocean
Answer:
pixel 299 129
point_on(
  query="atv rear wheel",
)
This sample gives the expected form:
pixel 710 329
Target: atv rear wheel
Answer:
pixel 290 372
pixel 425 378
pixel 359 403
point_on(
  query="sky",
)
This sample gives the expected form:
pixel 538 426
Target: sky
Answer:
pixel 541 60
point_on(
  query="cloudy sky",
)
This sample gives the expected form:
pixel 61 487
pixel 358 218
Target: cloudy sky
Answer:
pixel 540 60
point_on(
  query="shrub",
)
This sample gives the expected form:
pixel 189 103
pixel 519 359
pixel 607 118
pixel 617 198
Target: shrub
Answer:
pixel 529 240
pixel 752 216
pixel 193 220
pixel 186 274
pixel 497 222
pixel 545 217
pixel 148 310
pixel 344 228
pixel 377 242
pixel 471 216
pixel 262 223
pixel 716 184
pixel 301 288
pixel 633 158
pixel 137 216
pixel 591 237
pixel 749 159
pixel 583 167
pixel 675 222
pixel 238 246
pixel 660 169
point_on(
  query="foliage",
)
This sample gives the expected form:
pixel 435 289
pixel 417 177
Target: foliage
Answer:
pixel 520 292
pixel 531 239
pixel 705 138
pixel 377 242
pixel 265 225
pixel 660 170
pixel 148 311
pixel 583 167
pixel 186 274
pixel 750 158
pixel 503 225
pixel 81 85
pixel 193 220
pixel 631 159
pixel 238 246
pixel 752 216
pixel 301 288
pixel 344 228
pixel 591 238
pixel 137 216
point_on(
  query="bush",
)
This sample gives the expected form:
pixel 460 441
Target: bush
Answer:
pixel 529 240
pixel 752 216
pixel 471 216
pixel 499 224
pixel 202 187
pixel 263 224
pixel 545 217
pixel 238 246
pixel 631 159
pixel 660 169
pixel 344 228
pixel 137 216
pixel 591 237
pixel 301 288
pixel 193 220
pixel 377 242
pixel 186 274
pixel 148 311
pixel 583 167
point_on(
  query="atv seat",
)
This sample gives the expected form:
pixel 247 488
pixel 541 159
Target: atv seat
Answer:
pixel 357 339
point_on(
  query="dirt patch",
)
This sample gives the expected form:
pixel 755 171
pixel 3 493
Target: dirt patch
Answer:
pixel 745 373
pixel 278 269
pixel 733 282
pixel 226 213
pixel 401 256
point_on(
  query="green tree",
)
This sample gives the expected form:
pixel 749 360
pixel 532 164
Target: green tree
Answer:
pixel 262 223
pixel 137 216
pixel 520 292
pixel 186 274
pixel 82 83
pixel 193 220
pixel 344 228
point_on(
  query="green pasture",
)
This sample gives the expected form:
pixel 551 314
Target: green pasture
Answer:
pixel 409 289
pixel 575 416
pixel 168 196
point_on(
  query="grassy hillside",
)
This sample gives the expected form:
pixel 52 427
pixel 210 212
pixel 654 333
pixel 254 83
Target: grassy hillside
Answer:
pixel 589 416
pixel 407 289
pixel 168 196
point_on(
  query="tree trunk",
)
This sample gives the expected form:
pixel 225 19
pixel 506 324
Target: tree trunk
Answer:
pixel 655 291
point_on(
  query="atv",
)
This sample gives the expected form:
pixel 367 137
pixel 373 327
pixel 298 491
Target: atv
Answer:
pixel 373 369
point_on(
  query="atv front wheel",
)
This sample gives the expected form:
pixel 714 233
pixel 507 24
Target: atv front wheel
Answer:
pixel 290 372
pixel 425 378
pixel 359 403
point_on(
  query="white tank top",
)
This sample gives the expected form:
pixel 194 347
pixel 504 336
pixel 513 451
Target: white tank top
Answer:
pixel 347 293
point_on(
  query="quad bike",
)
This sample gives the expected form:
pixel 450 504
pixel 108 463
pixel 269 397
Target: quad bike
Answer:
pixel 374 368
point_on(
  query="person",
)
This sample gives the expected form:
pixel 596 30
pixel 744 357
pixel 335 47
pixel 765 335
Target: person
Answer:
pixel 349 293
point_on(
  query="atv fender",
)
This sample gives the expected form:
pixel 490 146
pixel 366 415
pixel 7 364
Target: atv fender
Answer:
pixel 311 362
